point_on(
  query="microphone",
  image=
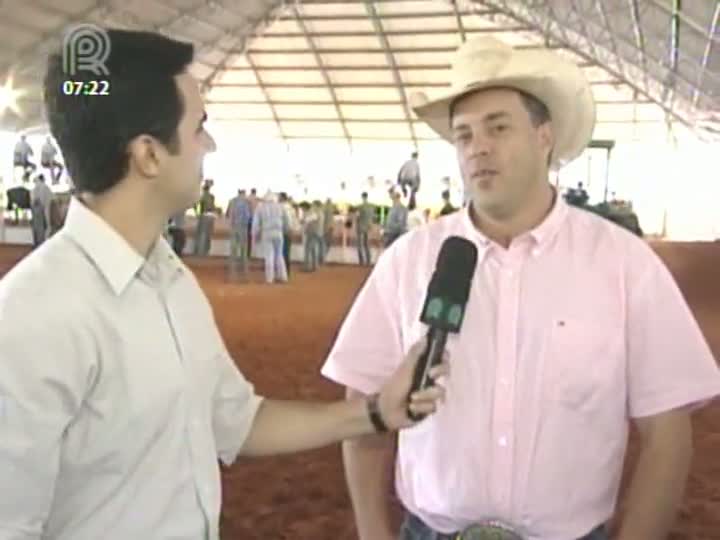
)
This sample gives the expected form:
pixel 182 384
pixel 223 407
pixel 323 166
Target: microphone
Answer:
pixel 444 308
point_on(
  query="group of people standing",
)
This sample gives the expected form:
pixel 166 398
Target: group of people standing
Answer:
pixel 270 222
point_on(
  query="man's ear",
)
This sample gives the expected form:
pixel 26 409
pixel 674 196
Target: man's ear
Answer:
pixel 546 137
pixel 145 155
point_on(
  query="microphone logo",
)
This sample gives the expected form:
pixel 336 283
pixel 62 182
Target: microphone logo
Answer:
pixel 435 308
pixel 85 47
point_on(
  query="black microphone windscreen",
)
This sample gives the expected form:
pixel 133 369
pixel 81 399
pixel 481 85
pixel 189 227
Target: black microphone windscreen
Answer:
pixel 455 268
pixel 449 287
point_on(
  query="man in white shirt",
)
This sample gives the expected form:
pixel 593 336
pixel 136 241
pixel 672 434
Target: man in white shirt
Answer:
pixel 117 393
pixel 269 222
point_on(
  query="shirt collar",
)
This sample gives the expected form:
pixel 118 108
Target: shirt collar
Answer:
pixel 116 260
pixel 542 234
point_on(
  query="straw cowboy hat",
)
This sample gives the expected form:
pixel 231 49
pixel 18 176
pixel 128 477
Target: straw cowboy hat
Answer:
pixel 487 63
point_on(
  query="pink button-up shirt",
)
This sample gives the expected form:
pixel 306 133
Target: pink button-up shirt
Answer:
pixel 574 329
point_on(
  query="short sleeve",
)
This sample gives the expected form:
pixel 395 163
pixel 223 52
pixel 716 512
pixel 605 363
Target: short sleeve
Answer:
pixel 235 405
pixel 368 347
pixel 670 364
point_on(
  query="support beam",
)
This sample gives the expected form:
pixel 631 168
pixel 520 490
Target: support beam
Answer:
pixel 269 101
pixel 308 103
pixel 391 50
pixel 370 7
pixel 583 27
pixel 458 20
pixel 318 58
pixel 399 33
pixel 712 32
pixel 389 16
pixel 414 67
pixel 662 5
pixel 241 38
pixel 358 120
pixel 614 82
pixel 671 81
pixel 639 38
pixel 600 6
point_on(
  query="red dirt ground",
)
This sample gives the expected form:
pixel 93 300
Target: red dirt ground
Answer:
pixel 279 337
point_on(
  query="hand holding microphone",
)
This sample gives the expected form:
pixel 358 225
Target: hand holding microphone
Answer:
pixel 443 311
pixel 411 393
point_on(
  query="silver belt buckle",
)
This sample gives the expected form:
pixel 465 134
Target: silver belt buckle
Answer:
pixel 489 530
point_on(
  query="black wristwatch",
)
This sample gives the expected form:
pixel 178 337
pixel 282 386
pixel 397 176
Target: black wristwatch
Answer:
pixel 374 413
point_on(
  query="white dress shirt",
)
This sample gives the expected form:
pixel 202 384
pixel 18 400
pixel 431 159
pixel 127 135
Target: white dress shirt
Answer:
pixel 117 394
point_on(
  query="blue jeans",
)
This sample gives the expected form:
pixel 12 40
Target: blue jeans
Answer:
pixel 363 248
pixel 313 246
pixel 415 529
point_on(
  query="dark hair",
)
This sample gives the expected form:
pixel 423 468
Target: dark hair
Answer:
pixel 93 132
pixel 538 111
pixel 446 194
pixel 364 195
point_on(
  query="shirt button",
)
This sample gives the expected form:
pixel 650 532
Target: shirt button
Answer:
pixel 504 382
pixel 503 441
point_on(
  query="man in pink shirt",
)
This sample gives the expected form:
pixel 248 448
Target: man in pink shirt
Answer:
pixel 574 330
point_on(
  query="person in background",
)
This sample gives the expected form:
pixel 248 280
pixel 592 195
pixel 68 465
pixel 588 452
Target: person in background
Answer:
pixel 577 196
pixel 21 157
pixel 254 201
pixel 48 153
pixel 328 210
pixel 447 207
pixel 409 177
pixel 239 216
pixel 311 222
pixel 176 230
pixel 206 212
pixel 365 216
pixel 396 221
pixel 269 222
pixel 318 209
pixel 293 227
pixel 40 199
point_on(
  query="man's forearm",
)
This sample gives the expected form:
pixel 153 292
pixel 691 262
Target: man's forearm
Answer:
pixel 656 490
pixel 369 470
pixel 282 427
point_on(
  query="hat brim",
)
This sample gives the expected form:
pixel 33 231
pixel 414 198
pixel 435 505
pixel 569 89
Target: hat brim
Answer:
pixel 571 106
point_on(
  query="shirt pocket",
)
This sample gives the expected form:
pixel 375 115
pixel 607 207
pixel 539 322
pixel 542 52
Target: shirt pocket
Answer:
pixel 582 363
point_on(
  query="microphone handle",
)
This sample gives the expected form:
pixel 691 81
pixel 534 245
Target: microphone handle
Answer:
pixel 431 356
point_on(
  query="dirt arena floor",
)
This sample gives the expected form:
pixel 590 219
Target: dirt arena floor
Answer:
pixel 279 337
